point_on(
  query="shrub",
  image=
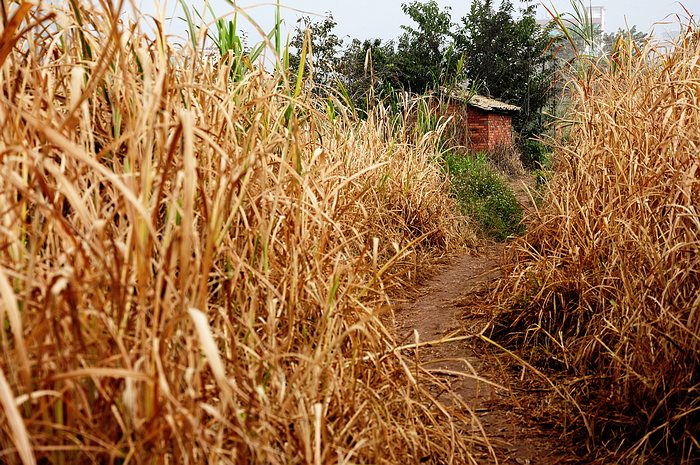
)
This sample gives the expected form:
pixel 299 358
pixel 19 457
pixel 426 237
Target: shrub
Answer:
pixel 484 195
pixel 536 155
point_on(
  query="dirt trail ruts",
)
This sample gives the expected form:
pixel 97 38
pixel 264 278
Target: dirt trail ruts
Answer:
pixel 447 306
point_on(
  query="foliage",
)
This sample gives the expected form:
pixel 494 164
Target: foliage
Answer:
pixel 483 195
pixel 423 52
pixel 510 58
pixel 536 155
pixel 632 36
pixel 323 58
pixel 604 285
pixel 494 51
pixel 369 70
pixel 229 42
pixel 419 60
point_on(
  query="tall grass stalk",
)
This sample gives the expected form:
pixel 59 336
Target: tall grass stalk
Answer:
pixel 578 28
pixel 605 282
pixel 194 270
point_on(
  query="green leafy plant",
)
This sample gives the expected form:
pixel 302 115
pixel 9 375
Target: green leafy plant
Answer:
pixel 325 48
pixel 536 155
pixel 510 56
pixel 230 43
pixel 484 196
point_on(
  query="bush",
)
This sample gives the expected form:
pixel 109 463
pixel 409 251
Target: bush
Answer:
pixel 536 155
pixel 484 195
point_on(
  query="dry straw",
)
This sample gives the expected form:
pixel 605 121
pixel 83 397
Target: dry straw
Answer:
pixel 191 259
pixel 606 282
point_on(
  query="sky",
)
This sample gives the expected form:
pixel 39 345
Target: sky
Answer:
pixel 365 19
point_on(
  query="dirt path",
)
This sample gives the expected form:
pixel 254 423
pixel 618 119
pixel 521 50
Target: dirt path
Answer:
pixel 447 305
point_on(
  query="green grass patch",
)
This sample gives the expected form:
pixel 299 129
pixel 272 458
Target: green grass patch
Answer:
pixel 484 195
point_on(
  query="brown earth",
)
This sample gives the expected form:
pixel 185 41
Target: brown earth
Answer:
pixel 506 399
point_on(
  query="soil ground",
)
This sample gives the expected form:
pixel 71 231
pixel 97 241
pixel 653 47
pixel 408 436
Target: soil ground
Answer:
pixel 504 397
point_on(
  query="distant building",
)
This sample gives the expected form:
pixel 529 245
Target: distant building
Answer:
pixel 480 123
pixel 595 13
pixel 598 16
pixel 544 22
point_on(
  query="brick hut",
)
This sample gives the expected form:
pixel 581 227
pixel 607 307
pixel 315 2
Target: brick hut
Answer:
pixel 489 123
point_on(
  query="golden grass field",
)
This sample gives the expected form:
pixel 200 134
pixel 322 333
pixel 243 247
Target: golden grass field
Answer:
pixel 192 268
pixel 606 282
pixel 197 256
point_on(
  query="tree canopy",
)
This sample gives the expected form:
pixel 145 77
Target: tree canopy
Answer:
pixel 369 64
pixel 505 52
pixel 508 57
pixel 422 50
pixel 325 48
pixel 632 35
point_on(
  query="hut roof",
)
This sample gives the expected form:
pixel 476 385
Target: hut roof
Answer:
pixel 483 103
pixel 489 104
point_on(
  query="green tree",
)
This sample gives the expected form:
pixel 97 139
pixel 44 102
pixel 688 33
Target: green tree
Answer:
pixel 369 65
pixel 424 53
pixel 419 60
pixel 325 51
pixel 509 57
pixel 632 35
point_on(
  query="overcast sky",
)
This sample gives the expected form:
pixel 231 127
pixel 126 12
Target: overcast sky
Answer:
pixel 366 19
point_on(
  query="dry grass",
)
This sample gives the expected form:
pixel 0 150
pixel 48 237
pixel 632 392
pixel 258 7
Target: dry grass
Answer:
pixel 192 269
pixel 505 158
pixel 606 282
